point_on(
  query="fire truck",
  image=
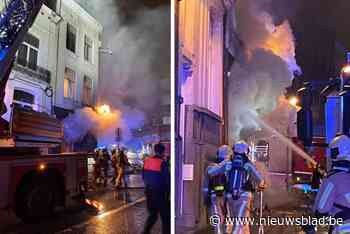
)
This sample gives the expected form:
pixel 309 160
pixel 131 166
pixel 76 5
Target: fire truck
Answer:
pixel 336 98
pixel 33 182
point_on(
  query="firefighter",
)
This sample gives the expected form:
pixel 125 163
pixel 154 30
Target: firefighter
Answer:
pixel 242 176
pixel 97 166
pixel 105 158
pixel 114 153
pixel 215 188
pixel 120 164
pixel 156 176
pixel 333 196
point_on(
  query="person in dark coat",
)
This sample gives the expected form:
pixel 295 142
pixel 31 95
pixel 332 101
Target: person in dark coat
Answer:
pixel 156 176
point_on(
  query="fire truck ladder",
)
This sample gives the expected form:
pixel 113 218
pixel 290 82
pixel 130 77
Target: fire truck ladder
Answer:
pixel 15 19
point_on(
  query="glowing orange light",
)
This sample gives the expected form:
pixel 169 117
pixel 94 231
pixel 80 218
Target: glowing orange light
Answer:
pixel 95 204
pixel 346 69
pixel 42 166
pixel 103 110
pixel 88 201
pixel 293 101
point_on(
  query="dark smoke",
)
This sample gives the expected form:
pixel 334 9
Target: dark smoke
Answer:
pixel 137 75
pixel 135 79
pixel 257 81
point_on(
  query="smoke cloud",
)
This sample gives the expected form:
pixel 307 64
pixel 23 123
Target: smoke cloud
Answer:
pixel 258 80
pixel 135 78
pixel 257 84
pixel 137 74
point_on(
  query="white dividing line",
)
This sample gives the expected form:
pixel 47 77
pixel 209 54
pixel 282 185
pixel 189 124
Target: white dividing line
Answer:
pixel 108 213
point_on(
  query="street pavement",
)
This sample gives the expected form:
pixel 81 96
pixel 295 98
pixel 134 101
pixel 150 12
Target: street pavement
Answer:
pixel 124 212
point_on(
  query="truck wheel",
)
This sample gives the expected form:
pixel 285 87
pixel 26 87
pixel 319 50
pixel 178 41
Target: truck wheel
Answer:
pixel 35 199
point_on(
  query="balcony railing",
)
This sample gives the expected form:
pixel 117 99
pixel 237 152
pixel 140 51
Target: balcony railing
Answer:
pixel 33 70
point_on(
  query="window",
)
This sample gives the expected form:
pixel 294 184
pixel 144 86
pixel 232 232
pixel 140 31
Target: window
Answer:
pixel 28 51
pixel 71 38
pixel 51 4
pixel 87 49
pixel 87 91
pixel 23 99
pixel 69 84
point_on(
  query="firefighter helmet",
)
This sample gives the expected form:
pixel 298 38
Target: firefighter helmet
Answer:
pixel 224 152
pixel 241 147
pixel 340 148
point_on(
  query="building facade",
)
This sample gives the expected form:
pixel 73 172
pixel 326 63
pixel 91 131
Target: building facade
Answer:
pixel 29 84
pixel 202 30
pixel 78 37
pixel 56 68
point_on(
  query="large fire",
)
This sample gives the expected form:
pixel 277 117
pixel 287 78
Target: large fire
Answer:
pixel 279 42
pixel 103 109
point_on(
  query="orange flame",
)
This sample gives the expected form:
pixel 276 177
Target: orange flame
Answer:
pixel 279 41
pixel 104 109
pixel 95 204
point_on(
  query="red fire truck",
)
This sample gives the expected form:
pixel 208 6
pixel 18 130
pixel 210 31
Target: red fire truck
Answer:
pixel 33 182
pixel 301 169
pixel 337 115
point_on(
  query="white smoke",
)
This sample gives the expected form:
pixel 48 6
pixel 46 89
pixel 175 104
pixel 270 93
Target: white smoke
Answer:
pixel 257 84
pixel 257 81
pixel 135 79
pixel 102 126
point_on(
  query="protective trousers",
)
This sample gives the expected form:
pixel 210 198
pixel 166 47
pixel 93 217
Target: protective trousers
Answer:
pixel 120 176
pixel 239 212
pixel 218 207
pixel 157 203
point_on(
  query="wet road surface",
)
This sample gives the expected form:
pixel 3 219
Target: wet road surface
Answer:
pixel 124 212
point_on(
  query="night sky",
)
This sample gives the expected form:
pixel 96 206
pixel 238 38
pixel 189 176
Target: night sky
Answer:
pixel 322 34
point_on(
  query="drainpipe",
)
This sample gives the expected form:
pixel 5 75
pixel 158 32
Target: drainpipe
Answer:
pixel 178 102
pixel 57 58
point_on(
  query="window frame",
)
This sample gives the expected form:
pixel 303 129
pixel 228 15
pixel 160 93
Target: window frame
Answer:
pixel 87 87
pixel 71 26
pixel 71 82
pixel 88 39
pixel 24 103
pixel 27 58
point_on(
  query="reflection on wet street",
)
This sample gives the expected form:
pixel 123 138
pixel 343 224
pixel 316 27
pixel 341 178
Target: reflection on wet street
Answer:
pixel 124 211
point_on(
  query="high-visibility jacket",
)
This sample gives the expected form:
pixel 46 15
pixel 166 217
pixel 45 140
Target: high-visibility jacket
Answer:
pixel 156 174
